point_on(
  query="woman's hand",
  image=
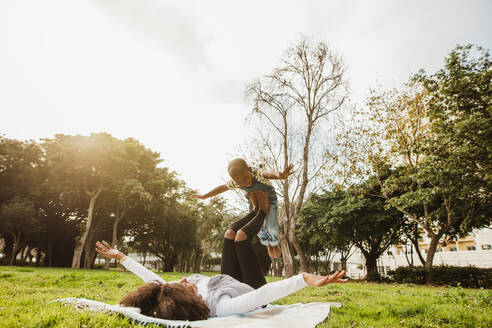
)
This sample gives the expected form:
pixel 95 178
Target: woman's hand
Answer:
pixel 105 250
pixel 317 281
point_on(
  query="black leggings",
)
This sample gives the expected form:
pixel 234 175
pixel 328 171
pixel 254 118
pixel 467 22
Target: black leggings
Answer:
pixel 238 257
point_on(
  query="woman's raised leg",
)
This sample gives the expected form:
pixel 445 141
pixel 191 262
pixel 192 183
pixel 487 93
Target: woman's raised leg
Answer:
pixel 248 262
pixel 229 263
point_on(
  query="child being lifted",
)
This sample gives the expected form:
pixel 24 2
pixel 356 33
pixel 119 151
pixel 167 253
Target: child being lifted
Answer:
pixel 254 180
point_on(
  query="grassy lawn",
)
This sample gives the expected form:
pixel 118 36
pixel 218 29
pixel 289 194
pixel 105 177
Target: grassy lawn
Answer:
pixel 25 295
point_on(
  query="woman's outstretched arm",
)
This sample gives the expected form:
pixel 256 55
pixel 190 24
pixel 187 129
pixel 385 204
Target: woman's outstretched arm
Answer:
pixel 111 253
pixel 274 291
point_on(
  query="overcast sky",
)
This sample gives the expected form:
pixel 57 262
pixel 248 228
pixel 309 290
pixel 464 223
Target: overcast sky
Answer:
pixel 172 73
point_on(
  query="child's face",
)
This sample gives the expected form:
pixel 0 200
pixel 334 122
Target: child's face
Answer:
pixel 244 178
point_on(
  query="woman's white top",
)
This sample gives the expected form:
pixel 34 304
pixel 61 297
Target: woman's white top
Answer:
pixel 228 305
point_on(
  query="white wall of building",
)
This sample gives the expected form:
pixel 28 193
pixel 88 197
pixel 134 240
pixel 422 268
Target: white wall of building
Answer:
pixel 481 257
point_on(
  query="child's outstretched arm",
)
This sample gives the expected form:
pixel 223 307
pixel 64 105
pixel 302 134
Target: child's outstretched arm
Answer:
pixel 217 190
pixel 280 175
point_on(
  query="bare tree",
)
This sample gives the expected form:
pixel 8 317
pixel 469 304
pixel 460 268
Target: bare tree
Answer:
pixel 292 103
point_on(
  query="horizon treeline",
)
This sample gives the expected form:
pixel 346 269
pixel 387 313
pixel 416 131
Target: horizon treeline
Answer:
pixel 59 196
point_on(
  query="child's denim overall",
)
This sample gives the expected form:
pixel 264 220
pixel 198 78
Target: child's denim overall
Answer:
pixel 268 235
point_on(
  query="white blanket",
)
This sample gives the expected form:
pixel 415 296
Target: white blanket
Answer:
pixel 273 316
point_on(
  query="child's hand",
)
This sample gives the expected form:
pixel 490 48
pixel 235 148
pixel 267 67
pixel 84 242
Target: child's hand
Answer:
pixel 287 171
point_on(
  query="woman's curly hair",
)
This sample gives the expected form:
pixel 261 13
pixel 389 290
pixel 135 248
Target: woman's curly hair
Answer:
pixel 167 301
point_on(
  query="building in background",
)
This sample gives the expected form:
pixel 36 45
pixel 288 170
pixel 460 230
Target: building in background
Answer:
pixel 472 250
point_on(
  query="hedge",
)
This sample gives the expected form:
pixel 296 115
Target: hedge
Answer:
pixel 470 277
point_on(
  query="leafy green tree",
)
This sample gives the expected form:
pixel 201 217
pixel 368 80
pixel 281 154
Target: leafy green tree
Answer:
pixel 437 130
pixel 311 234
pixel 128 194
pixel 17 218
pixel 457 162
pixel 360 219
pixel 167 227
pixel 21 174
pixel 168 231
pixel 213 219
pixel 316 234
pixel 130 191
pixel 413 234
pixel 21 168
pixel 85 167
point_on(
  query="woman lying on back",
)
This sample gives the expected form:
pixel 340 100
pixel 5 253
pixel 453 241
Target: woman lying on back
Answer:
pixel 239 289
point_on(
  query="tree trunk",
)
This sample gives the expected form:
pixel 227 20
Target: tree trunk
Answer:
pixel 89 254
pixel 114 238
pixel 79 247
pixel 287 253
pixel 300 200
pixel 277 267
pixel 12 256
pixel 8 248
pixel 50 256
pixel 19 252
pixel 414 239
pixel 25 254
pixel 430 256
pixel 297 246
pixel 107 263
pixel 89 258
pixel 198 262
pixel 371 265
pixel 201 262
pixel 419 254
pixel 410 262
pixel 343 261
pixel 39 255
pixel 29 257
pixel 174 260
pixel 15 248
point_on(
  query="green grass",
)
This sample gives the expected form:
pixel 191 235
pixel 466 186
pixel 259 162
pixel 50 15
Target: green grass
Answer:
pixel 26 293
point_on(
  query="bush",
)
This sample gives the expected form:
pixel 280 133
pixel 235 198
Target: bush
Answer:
pixel 408 275
pixel 373 276
pixel 99 266
pixel 469 277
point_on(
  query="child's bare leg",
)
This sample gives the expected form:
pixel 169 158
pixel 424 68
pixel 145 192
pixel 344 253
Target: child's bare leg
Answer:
pixel 277 251
pixel 263 203
pixel 262 200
